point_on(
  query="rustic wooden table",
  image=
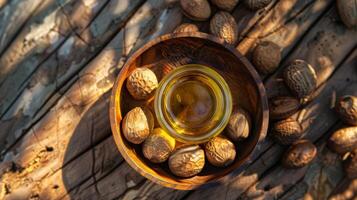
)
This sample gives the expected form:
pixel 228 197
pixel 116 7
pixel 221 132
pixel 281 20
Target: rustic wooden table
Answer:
pixel 59 59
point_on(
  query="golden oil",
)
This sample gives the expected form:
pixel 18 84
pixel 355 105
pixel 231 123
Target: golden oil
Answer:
pixel 193 103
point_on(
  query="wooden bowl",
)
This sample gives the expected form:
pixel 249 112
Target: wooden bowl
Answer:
pixel 182 48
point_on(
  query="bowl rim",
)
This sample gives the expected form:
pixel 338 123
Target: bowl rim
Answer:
pixel 114 116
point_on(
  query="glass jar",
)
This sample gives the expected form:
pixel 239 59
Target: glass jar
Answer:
pixel 193 103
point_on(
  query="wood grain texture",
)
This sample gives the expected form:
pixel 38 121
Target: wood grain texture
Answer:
pixel 13 15
pixel 60 67
pixel 59 127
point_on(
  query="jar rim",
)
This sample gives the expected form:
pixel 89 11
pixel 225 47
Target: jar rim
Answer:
pixel 160 98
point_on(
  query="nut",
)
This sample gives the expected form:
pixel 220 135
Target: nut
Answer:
pixel 266 57
pixel 347 9
pixel 300 77
pixel 239 125
pixel 300 154
pixel 343 140
pixel 346 107
pixel 287 131
pixel 224 25
pixel 227 5
pixel 256 4
pixel 187 161
pixel 199 10
pixel 137 125
pixel 283 107
pixel 158 146
pixel 350 165
pixel 220 152
pixel 186 27
pixel 141 83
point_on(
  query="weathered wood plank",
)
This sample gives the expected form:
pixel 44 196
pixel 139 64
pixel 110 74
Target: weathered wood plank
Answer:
pixel 13 15
pixel 236 186
pixel 60 67
pixel 56 130
pixel 43 34
pixel 319 178
pixel 347 189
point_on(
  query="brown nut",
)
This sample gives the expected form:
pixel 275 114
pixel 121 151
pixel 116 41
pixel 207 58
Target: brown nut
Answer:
pixel 287 131
pixel 224 25
pixel 347 9
pixel 256 4
pixel 137 125
pixel 199 10
pixel 141 83
pixel 343 140
pixel 282 107
pixel 300 77
pixel 266 57
pixel 346 107
pixel 350 165
pixel 158 146
pixel 239 125
pixel 227 5
pixel 220 152
pixel 187 161
pixel 299 154
pixel 186 27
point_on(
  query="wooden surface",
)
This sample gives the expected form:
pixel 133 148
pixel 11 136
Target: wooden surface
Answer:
pixel 58 63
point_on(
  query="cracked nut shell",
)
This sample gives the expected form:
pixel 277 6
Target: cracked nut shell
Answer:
pixel 186 27
pixel 141 83
pixel 287 131
pixel 283 107
pixel 187 161
pixel 137 125
pixel 227 5
pixel 239 125
pixel 256 4
pixel 220 152
pixel 343 140
pixel 299 154
pixel 347 9
pixel 158 146
pixel 350 165
pixel 300 77
pixel 266 57
pixel 223 25
pixel 346 107
pixel 199 10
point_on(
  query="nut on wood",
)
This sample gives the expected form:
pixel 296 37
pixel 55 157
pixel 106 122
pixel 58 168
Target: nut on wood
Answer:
pixel 227 5
pixel 283 107
pixel 223 25
pixel 137 125
pixel 220 152
pixel 239 125
pixel 299 154
pixel 301 78
pixel 346 107
pixel 141 83
pixel 158 146
pixel 347 9
pixel 187 161
pixel 266 57
pixel 198 10
pixel 343 140
pixel 287 131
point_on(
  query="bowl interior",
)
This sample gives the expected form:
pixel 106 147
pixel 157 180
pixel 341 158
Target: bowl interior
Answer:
pixel 199 48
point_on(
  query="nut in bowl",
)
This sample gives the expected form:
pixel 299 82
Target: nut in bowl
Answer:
pixel 203 105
